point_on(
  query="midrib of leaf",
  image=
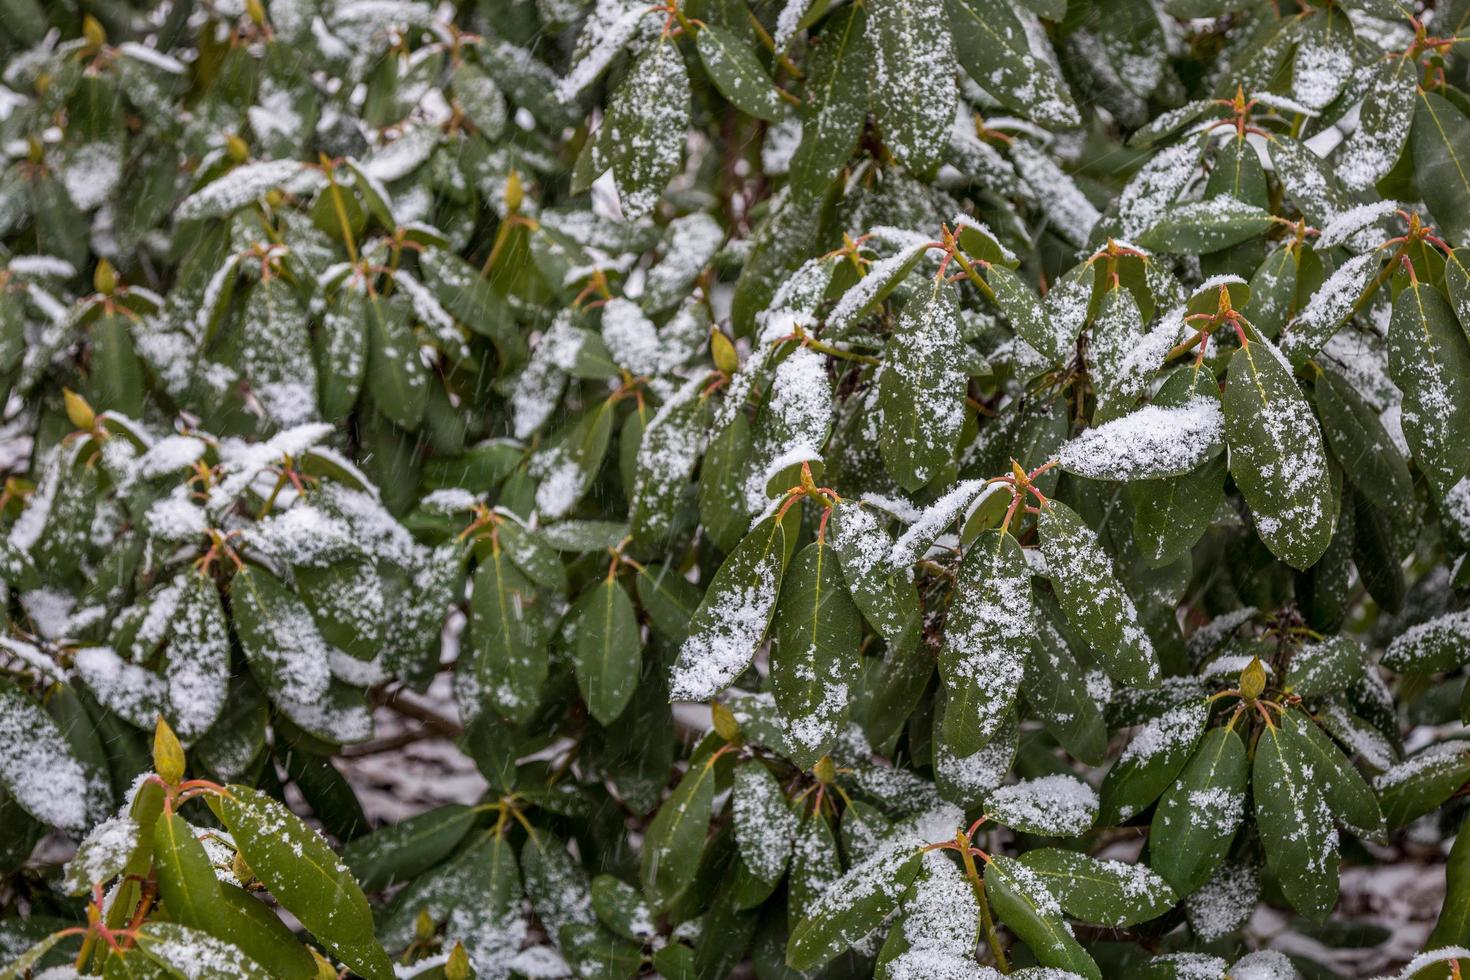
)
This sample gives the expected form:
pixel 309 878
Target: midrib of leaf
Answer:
pixel 395 376
pixel 501 604
pixel 331 878
pixel 814 621
pixel 830 84
pixel 1447 143
pixel 607 630
pixel 184 888
pixel 985 26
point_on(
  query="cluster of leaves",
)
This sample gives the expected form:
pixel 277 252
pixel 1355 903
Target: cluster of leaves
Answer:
pixel 1038 430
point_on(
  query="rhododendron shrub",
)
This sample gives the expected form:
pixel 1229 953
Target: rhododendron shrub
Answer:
pixel 915 489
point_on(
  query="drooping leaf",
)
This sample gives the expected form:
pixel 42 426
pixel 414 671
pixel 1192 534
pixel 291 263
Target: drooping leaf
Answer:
pixel 1023 902
pixel 305 876
pixel 1295 821
pixel 912 93
pixel 606 648
pixel 835 103
pixel 921 390
pixel 817 631
pixel 1201 811
pixel 986 639
pixel 1276 455
pixel 1429 361
pixel 736 71
pixel 1089 593
pixel 646 119
pixel 732 618
pixel 676 838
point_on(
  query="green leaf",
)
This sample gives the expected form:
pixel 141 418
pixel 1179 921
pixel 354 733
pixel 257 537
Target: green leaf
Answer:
pixel 480 99
pixel 342 350
pixel 467 295
pixel 508 635
pixel 569 462
pixel 195 954
pixel 1370 461
pixel 1457 283
pixel 303 874
pixel 676 837
pixel 1423 781
pixel 1059 805
pixel 282 646
pixel 921 390
pixel 22 967
pixel 853 905
pixel 194 897
pixel 186 881
pixel 1150 763
pixel 1294 821
pixel 737 72
pixel 34 746
pixel 1200 812
pixel 647 118
pixel 834 104
pixel 1022 901
pixel 1441 142
pixel 621 908
pixel 1453 926
pixel 1429 361
pixel 1326 666
pixel 986 638
pixel 1094 601
pixel 888 602
pixel 1309 180
pixel 1238 175
pixel 765 827
pixel 404 850
pixel 913 95
pixel 1274 289
pixel 396 377
pixel 732 617
pixel 1171 513
pixel 277 358
pixel 815 659
pixel 1206 226
pixel 1276 455
pixel 1056 689
pixel 1107 893
pixel 990 42
pixel 607 650
pixel 1022 308
pixel 1348 796
pixel 325 790
pixel 117 376
pixel 666 459
pixel 1383 125
pixel 1435 645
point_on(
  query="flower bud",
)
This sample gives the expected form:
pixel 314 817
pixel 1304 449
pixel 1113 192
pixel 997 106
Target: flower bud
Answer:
pixel 93 32
pixel 104 278
pixel 723 351
pixel 725 724
pixel 515 194
pixel 78 412
pixel 1253 679
pixel 457 967
pixel 168 754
